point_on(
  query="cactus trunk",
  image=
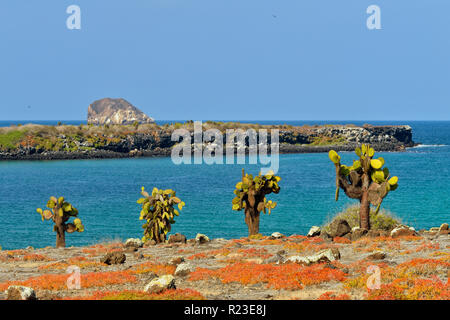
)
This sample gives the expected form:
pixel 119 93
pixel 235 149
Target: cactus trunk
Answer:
pixel 364 211
pixel 60 233
pixel 158 237
pixel 252 220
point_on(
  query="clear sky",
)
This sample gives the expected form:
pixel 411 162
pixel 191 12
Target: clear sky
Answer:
pixel 227 59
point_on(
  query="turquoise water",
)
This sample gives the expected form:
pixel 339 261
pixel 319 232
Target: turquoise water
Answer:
pixel 105 192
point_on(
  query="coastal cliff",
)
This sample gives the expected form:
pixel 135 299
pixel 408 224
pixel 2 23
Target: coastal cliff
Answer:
pixel 38 142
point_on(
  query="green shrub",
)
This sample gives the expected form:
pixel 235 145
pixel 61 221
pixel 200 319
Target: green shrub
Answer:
pixel 384 220
pixel 10 139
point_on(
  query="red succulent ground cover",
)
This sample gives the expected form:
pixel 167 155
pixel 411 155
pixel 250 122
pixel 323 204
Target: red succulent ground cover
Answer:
pixel 172 294
pixel 416 279
pixel 287 276
pixel 415 268
pixel 59 281
pixel 148 267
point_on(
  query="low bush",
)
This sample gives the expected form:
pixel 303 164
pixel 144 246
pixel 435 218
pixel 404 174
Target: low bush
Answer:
pixel 383 220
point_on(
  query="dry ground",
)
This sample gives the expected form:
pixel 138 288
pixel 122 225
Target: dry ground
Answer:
pixel 414 268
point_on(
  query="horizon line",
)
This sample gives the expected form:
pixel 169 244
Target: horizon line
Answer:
pixel 246 120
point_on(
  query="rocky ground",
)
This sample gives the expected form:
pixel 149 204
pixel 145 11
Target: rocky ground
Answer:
pixel 344 265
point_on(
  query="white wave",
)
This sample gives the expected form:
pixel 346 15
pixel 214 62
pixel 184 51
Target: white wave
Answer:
pixel 429 146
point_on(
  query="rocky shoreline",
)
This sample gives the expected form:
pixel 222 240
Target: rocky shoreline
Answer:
pixel 155 141
pixel 413 265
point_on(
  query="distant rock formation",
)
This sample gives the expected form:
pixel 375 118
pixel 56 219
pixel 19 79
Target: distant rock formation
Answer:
pixel 115 111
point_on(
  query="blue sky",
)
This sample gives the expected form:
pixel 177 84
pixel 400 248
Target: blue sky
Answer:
pixel 233 59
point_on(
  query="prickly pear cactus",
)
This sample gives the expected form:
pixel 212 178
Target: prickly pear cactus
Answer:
pixel 366 180
pixel 251 194
pixel 159 213
pixel 60 212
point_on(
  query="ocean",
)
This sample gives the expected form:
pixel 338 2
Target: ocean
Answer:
pixel 105 191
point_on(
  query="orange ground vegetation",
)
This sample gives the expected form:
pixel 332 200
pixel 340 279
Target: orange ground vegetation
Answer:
pixel 330 295
pixel 210 253
pixel 81 262
pixel 427 246
pixel 99 249
pixel 241 253
pixel 173 294
pixel 412 289
pixel 147 267
pixel 311 245
pixel 287 276
pixel 22 255
pixel 36 257
pixel 415 279
pixel 341 240
pixel 59 281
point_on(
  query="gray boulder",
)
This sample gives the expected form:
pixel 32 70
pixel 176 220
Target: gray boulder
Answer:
pixel 339 228
pixel 20 293
pixel 160 284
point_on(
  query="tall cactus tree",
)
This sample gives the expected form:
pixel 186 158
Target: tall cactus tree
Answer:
pixel 251 196
pixel 159 213
pixel 60 211
pixel 366 180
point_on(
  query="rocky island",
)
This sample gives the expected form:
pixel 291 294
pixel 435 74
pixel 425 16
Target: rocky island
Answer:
pixel 117 129
pixel 115 111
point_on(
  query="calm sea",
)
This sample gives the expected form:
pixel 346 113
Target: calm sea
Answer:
pixel 105 191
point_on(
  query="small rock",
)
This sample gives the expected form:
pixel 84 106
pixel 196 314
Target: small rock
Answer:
pixel 278 259
pixel 347 236
pixel 326 255
pixel 434 229
pixel 339 228
pixel 277 235
pixel 358 233
pixel 314 231
pixel 201 238
pixel 131 249
pixel 443 229
pixel 30 248
pixel 378 255
pixel 160 284
pixel 139 255
pixel 325 236
pixel 373 233
pixel 231 256
pixel 20 293
pixel 177 238
pixel 151 275
pixel 254 260
pixel 176 261
pixel 402 231
pixel 184 269
pixel 149 243
pixel 134 242
pixel 384 233
pixel 113 258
